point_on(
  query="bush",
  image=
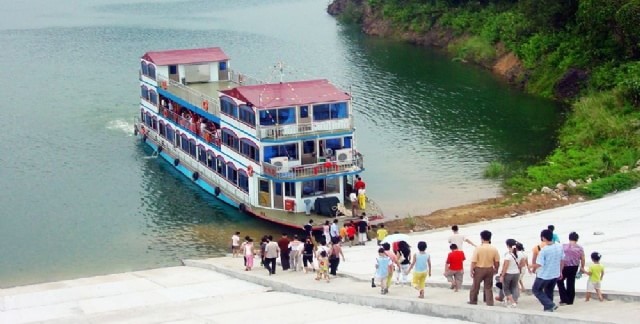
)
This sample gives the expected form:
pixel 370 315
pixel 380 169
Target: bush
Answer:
pixel 495 170
pixel 616 182
pixel 474 49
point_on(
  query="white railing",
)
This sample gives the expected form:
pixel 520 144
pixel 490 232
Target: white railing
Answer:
pixel 292 130
pixel 243 79
pixel 196 98
pixel 313 170
pixel 192 164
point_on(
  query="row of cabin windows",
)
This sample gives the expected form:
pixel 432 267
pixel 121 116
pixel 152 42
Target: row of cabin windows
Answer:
pixel 243 146
pixel 228 171
pixel 309 188
pixel 149 95
pixel 148 69
pixel 243 113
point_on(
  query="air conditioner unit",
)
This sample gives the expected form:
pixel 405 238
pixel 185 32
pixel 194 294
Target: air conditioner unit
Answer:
pixel 281 162
pixel 344 156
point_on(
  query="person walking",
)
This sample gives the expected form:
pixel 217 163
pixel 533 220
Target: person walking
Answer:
pixel 510 274
pixel 421 263
pixel 283 244
pixel 235 244
pixel 362 231
pixel 454 267
pixel 595 273
pixel 404 258
pixel 247 250
pixel 381 233
pixel 459 239
pixel 307 255
pixel 383 268
pixel 548 269
pixel 334 256
pixel 295 253
pixel 484 265
pixel 394 262
pixel 574 260
pixel 326 231
pixel 333 229
pixel 271 250
pixel 525 267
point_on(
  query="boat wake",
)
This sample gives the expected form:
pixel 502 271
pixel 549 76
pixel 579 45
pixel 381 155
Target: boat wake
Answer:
pixel 121 125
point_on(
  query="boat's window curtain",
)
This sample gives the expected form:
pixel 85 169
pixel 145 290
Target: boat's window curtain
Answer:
pixel 163 129
pixel 347 141
pixel 232 173
pixel 220 166
pixel 266 118
pixel 321 112
pixel 249 149
pixel 339 110
pixel 286 116
pixel 154 123
pixel 289 150
pixel 243 181
pixel 247 115
pixel 228 107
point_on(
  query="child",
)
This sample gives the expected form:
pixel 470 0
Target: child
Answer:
pixel 351 233
pixel 454 269
pixel 383 268
pixel 235 244
pixel 422 263
pixel 595 272
pixel 323 266
pixel 523 270
pixel 248 253
pixel 343 233
pixel 381 234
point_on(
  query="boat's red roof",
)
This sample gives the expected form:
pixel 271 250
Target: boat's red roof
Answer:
pixel 186 56
pixel 288 94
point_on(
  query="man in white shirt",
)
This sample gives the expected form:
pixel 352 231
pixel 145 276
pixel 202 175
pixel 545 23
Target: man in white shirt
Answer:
pixel 235 244
pixel 333 229
pixel 354 203
pixel 458 239
pixel 271 252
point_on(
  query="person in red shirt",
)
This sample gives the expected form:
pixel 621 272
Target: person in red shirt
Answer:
pixel 359 184
pixel 454 269
pixel 351 234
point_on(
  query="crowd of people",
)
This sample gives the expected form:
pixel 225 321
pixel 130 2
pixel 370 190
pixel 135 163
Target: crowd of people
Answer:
pixel 553 264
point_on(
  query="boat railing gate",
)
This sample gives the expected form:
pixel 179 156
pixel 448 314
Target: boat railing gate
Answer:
pixel 192 96
pixel 228 189
pixel 243 79
pixel 292 130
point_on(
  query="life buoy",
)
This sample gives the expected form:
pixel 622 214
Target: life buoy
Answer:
pixel 176 162
pixel 164 85
pixel 216 191
pixel 205 105
pixel 242 207
pixel 195 176
pixel 250 171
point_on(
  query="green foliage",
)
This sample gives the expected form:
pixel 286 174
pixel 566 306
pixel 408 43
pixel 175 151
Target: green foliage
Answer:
pixel 474 49
pixel 616 182
pixel 495 170
pixel 352 14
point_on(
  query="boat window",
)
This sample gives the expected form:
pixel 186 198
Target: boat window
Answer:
pixel 320 187
pixel 171 135
pixel 154 123
pixel 243 181
pixel 192 147
pixel 347 141
pixel 290 189
pixel 333 143
pixel 173 69
pixel 308 147
pixel 144 92
pixel 230 139
pixel 286 116
pixel 339 110
pixel 202 154
pixel 152 71
pixel 247 115
pixel 222 66
pixel 304 111
pixel 249 149
pixel 162 128
pixel 232 173
pixel 321 112
pixel 289 150
pixel 153 97
pixel 228 107
pixel 144 68
pixel 147 119
pixel 266 118
pixel 211 160
pixel 220 167
pixel 184 143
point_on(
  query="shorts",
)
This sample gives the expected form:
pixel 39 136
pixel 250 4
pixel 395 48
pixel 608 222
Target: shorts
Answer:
pixel 351 238
pixel 592 286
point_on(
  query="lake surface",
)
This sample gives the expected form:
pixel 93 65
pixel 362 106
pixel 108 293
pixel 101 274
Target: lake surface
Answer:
pixel 79 196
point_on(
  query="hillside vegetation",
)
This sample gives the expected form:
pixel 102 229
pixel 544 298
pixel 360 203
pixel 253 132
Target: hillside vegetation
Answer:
pixel 584 52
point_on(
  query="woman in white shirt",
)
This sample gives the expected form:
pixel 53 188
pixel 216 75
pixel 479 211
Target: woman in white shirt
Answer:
pixel 510 274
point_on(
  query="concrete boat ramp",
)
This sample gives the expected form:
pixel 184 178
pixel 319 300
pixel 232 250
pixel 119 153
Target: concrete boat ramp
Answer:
pixel 220 291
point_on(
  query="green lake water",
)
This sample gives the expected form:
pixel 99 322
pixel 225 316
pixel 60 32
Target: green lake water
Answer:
pixel 79 196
